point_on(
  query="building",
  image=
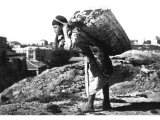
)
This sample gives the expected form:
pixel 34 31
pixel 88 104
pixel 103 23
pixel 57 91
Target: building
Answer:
pixel 3 48
pixel 35 67
pixel 31 53
pixel 35 57
pixel 147 42
pixel 12 68
pixel 14 44
pixel 42 54
pixel 134 42
pixel 20 50
pixel 43 43
pixel 154 42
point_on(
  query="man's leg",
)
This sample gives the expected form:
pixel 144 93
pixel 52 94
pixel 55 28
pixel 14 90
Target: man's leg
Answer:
pixel 106 101
pixel 89 107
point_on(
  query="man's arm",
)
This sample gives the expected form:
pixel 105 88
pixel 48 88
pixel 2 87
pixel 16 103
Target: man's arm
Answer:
pixel 55 42
pixel 68 41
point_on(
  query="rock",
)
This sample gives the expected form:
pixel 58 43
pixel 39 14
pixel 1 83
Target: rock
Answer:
pixel 158 73
pixel 142 95
pixel 4 98
pixel 16 93
pixel 154 111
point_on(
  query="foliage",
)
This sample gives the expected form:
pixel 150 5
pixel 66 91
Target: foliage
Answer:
pixel 75 53
pixel 59 57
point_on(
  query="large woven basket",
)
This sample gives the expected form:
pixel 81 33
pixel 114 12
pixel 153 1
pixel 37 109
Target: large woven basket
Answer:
pixel 103 30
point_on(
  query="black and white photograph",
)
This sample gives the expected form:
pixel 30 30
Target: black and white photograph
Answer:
pixel 79 58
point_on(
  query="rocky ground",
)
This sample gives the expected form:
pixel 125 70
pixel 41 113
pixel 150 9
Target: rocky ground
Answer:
pixel 61 90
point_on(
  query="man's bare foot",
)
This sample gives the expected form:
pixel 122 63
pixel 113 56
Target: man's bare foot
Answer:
pixel 88 108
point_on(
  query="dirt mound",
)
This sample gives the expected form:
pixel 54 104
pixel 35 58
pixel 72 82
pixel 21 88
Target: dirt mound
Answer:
pixel 51 84
pixel 60 90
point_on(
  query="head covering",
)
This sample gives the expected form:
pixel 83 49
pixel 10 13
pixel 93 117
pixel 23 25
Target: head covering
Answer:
pixel 60 18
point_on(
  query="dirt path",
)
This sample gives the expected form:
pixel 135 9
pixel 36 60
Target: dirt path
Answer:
pixel 121 106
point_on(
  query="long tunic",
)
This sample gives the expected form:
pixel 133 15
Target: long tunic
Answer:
pixel 98 66
pixel 97 72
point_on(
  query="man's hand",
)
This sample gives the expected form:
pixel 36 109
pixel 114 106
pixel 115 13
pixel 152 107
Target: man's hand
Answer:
pixel 68 42
pixel 65 26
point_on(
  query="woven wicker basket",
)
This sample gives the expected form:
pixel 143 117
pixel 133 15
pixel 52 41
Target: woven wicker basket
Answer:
pixel 106 32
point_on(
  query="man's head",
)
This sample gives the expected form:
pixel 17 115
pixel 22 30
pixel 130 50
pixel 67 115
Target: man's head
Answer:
pixel 57 25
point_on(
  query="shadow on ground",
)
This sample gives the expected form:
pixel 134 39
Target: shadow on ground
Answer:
pixel 142 106
pixel 114 100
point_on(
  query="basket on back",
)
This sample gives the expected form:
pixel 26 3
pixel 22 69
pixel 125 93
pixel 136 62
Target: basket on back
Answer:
pixel 101 28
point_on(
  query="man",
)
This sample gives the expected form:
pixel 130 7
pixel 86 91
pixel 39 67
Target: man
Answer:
pixel 98 67
pixel 62 38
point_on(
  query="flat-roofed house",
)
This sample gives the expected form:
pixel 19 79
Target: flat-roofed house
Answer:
pixel 35 67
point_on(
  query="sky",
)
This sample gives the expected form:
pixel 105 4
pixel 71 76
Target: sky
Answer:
pixel 29 21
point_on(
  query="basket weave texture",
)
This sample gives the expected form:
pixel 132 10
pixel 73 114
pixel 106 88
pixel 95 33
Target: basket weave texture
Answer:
pixel 101 28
